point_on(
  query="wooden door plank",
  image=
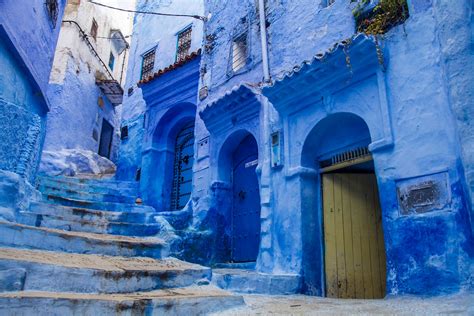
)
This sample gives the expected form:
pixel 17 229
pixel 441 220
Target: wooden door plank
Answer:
pixel 339 228
pixel 347 184
pixel 330 260
pixel 357 211
pixel 374 248
pixel 364 221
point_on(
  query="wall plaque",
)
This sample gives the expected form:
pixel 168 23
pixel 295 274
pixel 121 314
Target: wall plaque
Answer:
pixel 423 194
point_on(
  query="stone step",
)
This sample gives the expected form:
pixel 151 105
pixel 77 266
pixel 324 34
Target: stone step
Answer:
pixel 79 273
pixel 63 199
pixel 77 213
pixel 25 236
pixel 119 197
pixel 252 282
pixel 182 301
pixel 88 184
pixel 90 226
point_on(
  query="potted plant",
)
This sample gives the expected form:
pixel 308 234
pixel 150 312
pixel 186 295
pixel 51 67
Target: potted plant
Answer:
pixel 378 16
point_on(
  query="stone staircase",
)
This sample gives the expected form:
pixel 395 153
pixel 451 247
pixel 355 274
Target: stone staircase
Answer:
pixel 88 249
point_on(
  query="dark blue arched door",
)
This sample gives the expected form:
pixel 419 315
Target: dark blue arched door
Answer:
pixel 183 167
pixel 246 202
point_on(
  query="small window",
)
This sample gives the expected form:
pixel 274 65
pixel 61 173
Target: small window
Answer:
pixel 184 44
pixel 111 61
pixel 138 174
pixel 124 132
pixel 94 29
pixel 53 10
pixel 327 3
pixel 148 63
pixel 239 52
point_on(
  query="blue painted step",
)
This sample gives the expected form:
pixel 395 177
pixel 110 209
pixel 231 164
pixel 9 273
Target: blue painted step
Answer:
pixel 46 271
pixel 91 183
pixel 252 282
pixel 193 300
pixel 76 213
pixel 24 236
pixel 96 205
pixel 88 196
pixel 81 225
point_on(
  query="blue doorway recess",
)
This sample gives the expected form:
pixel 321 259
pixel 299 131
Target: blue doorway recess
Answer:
pixel 246 202
pixel 183 167
pixel 106 137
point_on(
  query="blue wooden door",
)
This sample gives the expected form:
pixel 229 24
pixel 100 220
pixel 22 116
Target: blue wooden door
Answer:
pixel 246 203
pixel 183 167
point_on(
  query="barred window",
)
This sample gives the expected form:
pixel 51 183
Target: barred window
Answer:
pixel 239 52
pixel 94 29
pixel 148 63
pixel 184 44
pixel 327 3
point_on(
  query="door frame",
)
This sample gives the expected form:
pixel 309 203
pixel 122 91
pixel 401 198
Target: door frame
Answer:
pixel 366 157
pixel 242 159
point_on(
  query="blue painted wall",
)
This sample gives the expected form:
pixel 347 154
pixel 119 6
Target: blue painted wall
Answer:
pixel 402 86
pixel 151 32
pixel 26 56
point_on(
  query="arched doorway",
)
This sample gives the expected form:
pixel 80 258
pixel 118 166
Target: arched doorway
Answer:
pixel 352 233
pixel 246 202
pixel 183 167
pixel 166 174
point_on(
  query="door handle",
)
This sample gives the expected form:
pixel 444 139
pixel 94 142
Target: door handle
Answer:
pixel 242 194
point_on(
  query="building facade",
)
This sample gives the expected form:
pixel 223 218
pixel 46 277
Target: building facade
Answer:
pixel 26 56
pixel 88 73
pixel 151 51
pixel 345 171
pixel 361 183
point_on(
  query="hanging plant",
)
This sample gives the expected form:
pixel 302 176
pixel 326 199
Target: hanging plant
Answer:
pixel 378 16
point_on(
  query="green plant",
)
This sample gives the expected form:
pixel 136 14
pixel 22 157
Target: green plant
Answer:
pixel 385 15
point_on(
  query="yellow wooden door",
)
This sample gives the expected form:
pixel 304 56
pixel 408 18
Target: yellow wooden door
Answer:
pixel 353 235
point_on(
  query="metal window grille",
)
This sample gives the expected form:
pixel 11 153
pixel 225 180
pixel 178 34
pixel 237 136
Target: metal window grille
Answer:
pixel 94 29
pixel 239 52
pixel 183 167
pixel 327 3
pixel 53 10
pixel 346 156
pixel 184 44
pixel 148 63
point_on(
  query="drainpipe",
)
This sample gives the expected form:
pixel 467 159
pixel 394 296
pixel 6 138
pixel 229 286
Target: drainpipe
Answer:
pixel 263 38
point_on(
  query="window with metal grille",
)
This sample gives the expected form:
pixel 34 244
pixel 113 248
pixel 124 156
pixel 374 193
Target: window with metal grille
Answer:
pixel 239 52
pixel 184 44
pixel 111 61
pixel 183 167
pixel 53 10
pixel 327 3
pixel 148 63
pixel 94 29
